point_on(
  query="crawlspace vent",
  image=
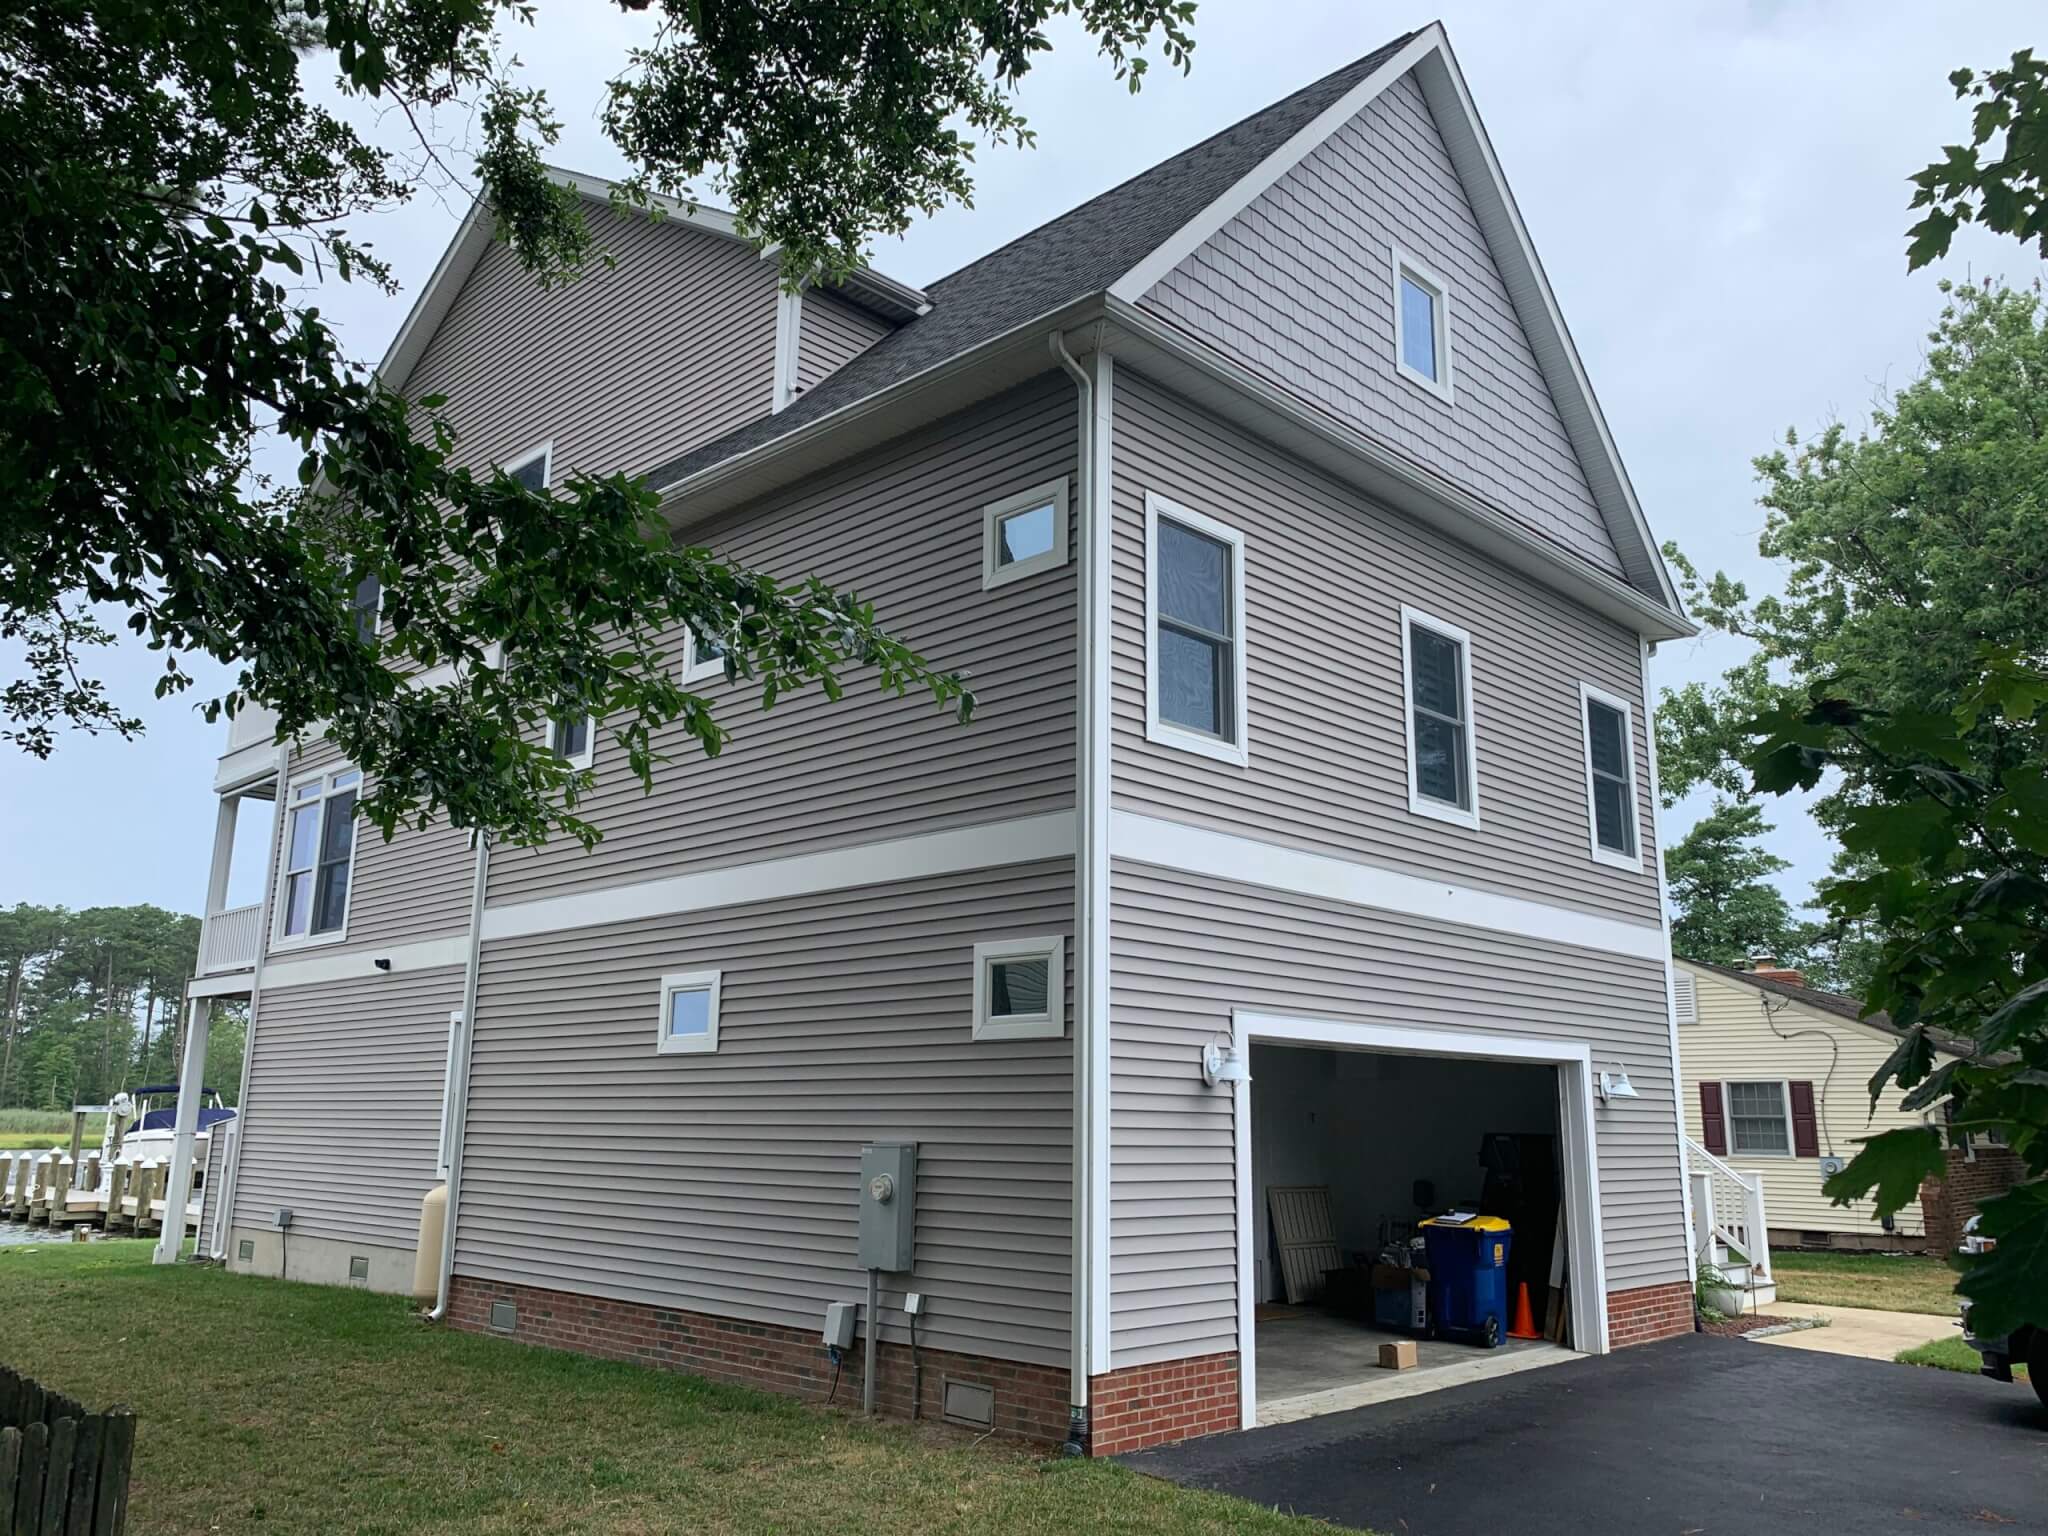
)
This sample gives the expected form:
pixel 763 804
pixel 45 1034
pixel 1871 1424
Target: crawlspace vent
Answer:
pixel 358 1266
pixel 970 1403
pixel 504 1316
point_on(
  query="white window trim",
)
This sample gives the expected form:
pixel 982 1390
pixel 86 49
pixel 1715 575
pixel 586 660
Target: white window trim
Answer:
pixel 1440 293
pixel 1784 1087
pixel 1165 732
pixel 666 1044
pixel 1049 1025
pixel 1419 803
pixel 588 755
pixel 1588 694
pixel 279 939
pixel 994 575
pixel 545 452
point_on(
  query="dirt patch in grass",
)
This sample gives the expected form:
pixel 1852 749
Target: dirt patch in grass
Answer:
pixel 286 1408
pixel 1736 1327
pixel 1889 1282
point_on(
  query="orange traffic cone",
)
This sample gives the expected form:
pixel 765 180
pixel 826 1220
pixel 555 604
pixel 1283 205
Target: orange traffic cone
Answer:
pixel 1525 1322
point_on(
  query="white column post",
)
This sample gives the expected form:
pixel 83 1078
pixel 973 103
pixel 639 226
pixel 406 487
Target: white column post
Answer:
pixel 223 854
pixel 191 1082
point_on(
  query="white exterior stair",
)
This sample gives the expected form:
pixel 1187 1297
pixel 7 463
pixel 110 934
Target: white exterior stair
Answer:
pixel 1730 1231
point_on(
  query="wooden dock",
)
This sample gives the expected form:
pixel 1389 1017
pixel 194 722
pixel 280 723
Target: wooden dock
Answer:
pixel 50 1189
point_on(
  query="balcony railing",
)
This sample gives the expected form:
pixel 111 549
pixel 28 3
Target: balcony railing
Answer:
pixel 228 940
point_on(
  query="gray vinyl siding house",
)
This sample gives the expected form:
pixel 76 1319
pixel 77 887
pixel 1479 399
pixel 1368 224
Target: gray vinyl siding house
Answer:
pixel 1215 349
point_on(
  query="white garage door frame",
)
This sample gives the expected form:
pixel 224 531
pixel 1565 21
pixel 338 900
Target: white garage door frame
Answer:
pixel 1577 1143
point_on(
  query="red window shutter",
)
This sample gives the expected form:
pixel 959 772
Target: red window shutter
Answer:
pixel 1713 1124
pixel 1805 1127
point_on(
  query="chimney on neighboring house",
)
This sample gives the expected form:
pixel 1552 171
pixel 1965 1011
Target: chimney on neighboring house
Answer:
pixel 1767 967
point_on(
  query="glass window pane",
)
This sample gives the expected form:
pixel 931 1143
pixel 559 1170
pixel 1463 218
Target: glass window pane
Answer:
pixel 298 902
pixel 1756 1118
pixel 1191 673
pixel 330 897
pixel 363 607
pixel 689 1012
pixel 305 837
pixel 306 792
pixel 1024 534
pixel 344 779
pixel 1418 327
pixel 340 828
pixel 533 473
pixel 1018 986
pixel 1611 819
pixel 1439 682
pixel 572 737
pixel 1194 578
pixel 1604 727
pixel 704 651
pixel 1440 760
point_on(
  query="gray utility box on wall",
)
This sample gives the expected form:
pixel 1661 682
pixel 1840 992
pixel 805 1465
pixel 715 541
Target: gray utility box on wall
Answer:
pixel 888 1205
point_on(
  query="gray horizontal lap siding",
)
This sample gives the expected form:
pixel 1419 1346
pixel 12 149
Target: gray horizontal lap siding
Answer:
pixel 1186 953
pixel 623 368
pixel 834 333
pixel 902 528
pixel 1326 575
pixel 1300 285
pixel 727 1183
pixel 343 1116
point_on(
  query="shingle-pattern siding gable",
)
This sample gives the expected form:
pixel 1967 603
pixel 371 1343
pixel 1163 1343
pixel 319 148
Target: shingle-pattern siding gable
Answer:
pixel 1300 285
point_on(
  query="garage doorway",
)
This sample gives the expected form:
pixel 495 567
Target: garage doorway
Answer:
pixel 1348 1136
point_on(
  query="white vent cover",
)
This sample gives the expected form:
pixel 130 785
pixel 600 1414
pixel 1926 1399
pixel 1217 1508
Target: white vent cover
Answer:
pixel 1685 996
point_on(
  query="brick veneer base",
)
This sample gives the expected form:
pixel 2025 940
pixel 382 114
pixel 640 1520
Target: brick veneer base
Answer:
pixel 1652 1312
pixel 1947 1203
pixel 1157 1404
pixel 1031 1400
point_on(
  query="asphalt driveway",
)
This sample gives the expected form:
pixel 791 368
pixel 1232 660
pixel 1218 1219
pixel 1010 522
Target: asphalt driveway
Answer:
pixel 1696 1436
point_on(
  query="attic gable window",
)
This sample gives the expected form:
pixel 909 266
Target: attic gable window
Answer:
pixel 1422 326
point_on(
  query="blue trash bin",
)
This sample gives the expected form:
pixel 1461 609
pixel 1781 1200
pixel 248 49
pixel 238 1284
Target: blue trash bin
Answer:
pixel 1468 1278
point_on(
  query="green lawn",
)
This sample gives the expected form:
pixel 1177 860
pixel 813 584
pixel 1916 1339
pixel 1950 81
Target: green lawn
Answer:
pixel 1948 1354
pixel 1890 1282
pixel 286 1408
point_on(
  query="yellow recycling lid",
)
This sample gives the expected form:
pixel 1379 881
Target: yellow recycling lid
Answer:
pixel 1471 1223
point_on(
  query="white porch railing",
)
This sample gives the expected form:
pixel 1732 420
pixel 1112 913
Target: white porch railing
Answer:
pixel 1727 1212
pixel 227 942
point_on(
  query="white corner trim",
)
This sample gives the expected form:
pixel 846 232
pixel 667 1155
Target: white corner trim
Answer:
pixel 1578 1144
pixel 1225 856
pixel 1053 493
pixel 1176 247
pixel 1237 749
pixel 1419 804
pixel 705 1044
pixel 1633 862
pixel 789 331
pixel 988 846
pixel 1051 1024
pixel 1439 290
pixel 357 964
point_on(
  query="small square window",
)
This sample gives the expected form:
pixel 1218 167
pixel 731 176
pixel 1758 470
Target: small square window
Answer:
pixel 1024 534
pixel 689 1013
pixel 1422 326
pixel 1610 778
pixel 707 660
pixel 1443 762
pixel 533 468
pixel 1020 988
pixel 573 739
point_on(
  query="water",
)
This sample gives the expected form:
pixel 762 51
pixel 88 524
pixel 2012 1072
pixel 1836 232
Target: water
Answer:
pixel 16 1232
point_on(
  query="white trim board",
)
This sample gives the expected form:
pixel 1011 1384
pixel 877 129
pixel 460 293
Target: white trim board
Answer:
pixel 1224 856
pixel 292 970
pixel 989 845
pixel 1578 1147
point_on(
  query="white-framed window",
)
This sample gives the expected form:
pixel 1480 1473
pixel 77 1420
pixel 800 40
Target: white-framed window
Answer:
pixel 573 739
pixel 533 468
pixel 1195 632
pixel 704 659
pixel 1020 989
pixel 366 607
pixel 1608 724
pixel 689 1013
pixel 318 854
pixel 1024 534
pixel 1422 326
pixel 1759 1119
pixel 1436 693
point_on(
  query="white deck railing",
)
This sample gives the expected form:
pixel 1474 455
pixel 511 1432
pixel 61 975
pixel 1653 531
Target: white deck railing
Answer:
pixel 228 940
pixel 1727 1211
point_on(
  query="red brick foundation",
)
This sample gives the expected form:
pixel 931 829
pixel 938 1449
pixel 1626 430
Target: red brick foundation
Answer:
pixel 1651 1313
pixel 1948 1202
pixel 1030 1400
pixel 1158 1404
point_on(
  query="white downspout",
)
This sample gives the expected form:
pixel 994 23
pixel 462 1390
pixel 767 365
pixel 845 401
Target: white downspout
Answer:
pixel 1670 986
pixel 455 1092
pixel 1090 1319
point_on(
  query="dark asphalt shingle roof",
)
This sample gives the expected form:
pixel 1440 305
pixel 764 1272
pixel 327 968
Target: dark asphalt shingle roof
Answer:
pixel 1081 252
pixel 1837 1004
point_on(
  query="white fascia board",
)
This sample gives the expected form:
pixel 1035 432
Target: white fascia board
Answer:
pixel 430 308
pixel 1179 245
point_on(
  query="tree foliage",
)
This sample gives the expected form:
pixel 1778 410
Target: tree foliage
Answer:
pixel 170 188
pixel 1725 907
pixel 2000 178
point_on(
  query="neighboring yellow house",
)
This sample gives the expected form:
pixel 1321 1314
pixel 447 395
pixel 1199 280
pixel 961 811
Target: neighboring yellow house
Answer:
pixel 1776 1077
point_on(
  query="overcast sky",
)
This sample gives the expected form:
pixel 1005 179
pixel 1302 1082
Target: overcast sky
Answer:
pixel 1717 191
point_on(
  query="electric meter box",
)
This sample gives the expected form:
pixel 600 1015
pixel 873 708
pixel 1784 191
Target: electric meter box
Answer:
pixel 888 1205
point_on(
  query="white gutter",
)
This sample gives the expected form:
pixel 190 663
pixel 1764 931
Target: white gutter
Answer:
pixel 455 1106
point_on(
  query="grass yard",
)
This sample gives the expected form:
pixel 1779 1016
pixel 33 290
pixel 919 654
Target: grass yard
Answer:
pixel 275 1407
pixel 1948 1354
pixel 1890 1282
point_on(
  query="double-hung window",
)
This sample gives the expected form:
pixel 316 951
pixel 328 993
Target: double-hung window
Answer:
pixel 1610 777
pixel 1759 1119
pixel 1422 326
pixel 1194 601
pixel 319 849
pixel 1436 678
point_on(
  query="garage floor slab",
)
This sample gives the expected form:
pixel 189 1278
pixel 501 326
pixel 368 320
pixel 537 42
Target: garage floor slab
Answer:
pixel 1311 1362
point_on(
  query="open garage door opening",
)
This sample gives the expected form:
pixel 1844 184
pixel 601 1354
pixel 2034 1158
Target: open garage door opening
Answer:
pixel 1408 1200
